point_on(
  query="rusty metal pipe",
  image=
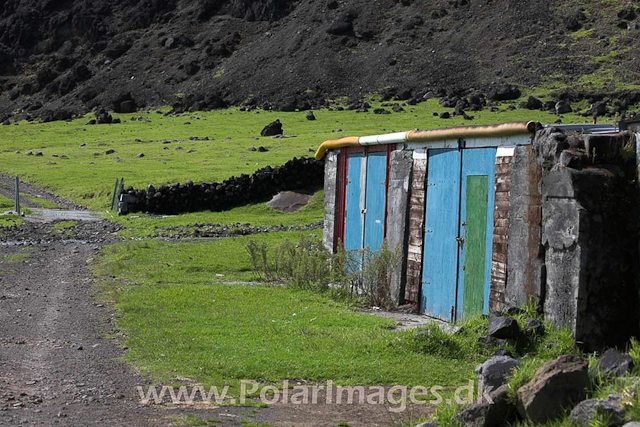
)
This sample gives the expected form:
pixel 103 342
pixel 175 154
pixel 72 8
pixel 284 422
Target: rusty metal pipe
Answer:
pixel 504 129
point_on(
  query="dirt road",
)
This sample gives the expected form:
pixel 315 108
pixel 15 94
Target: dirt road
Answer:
pixel 57 365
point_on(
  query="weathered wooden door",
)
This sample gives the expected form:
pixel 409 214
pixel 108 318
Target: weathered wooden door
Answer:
pixel 456 263
pixel 375 200
pixel 365 200
pixel 476 230
pixel 354 209
pixel 440 254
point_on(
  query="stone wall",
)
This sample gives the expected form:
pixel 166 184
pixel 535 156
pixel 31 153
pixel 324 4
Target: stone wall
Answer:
pixel 573 234
pixel 296 174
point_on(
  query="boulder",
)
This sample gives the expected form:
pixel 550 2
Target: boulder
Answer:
pixel 563 107
pixel 381 111
pixel 534 327
pixel 598 109
pixel 273 128
pixel 495 371
pixel 445 115
pixel 503 327
pixel 504 93
pixel 533 103
pixel 627 13
pixel 556 385
pixel 588 410
pixel 310 116
pixel 613 364
pixel 491 412
pixel 103 117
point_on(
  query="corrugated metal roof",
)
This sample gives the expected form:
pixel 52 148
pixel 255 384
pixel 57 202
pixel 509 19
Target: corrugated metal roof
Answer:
pixel 594 129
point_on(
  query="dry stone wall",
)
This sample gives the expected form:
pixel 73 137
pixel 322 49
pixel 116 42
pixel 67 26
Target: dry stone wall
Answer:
pixel 296 174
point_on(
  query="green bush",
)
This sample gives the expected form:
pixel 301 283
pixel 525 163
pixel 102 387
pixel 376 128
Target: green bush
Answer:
pixel 361 276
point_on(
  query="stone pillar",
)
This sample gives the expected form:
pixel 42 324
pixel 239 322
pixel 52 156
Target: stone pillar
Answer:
pixel 525 263
pixel 400 165
pixel 330 198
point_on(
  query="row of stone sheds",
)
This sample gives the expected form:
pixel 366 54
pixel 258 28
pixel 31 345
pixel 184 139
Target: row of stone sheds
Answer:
pixel 492 217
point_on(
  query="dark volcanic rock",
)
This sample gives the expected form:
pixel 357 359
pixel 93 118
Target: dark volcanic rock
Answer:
pixel 273 128
pixel 483 413
pixel 503 327
pixel 613 363
pixel 610 408
pixel 495 371
pixel 504 93
pixel 557 385
pixel 563 107
pixel 533 103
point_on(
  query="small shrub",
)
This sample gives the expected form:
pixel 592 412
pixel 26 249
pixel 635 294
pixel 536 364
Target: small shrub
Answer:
pixel 362 276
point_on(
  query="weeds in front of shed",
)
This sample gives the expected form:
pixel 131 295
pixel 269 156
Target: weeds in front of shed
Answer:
pixel 362 276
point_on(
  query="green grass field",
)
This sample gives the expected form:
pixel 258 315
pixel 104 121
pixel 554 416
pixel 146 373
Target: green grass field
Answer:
pixel 182 320
pixel 87 176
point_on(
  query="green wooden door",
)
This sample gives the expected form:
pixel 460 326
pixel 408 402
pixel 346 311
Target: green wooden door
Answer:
pixel 475 245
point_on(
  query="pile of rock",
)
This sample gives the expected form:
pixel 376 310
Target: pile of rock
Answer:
pixel 296 174
pixel 556 387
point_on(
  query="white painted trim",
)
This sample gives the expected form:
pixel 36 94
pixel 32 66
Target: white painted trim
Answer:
pixel 419 154
pixel 505 151
pixel 390 138
pixel 445 143
pixel 500 141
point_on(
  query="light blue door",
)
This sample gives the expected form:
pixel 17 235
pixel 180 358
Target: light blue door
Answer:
pixel 474 274
pixel 375 200
pixel 458 233
pixel 354 212
pixel 440 254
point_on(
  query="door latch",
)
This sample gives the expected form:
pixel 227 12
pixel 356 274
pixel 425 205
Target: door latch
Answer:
pixel 460 240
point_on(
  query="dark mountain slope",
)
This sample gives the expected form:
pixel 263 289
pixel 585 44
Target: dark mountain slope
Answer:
pixel 59 57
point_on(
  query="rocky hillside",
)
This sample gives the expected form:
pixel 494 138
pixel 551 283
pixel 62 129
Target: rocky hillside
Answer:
pixel 64 57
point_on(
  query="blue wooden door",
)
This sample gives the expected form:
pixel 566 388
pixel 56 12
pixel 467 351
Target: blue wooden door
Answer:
pixel 476 227
pixel 440 254
pixel 459 210
pixel 354 212
pixel 375 200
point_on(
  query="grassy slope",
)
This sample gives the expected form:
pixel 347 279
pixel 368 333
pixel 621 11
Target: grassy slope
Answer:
pixel 88 179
